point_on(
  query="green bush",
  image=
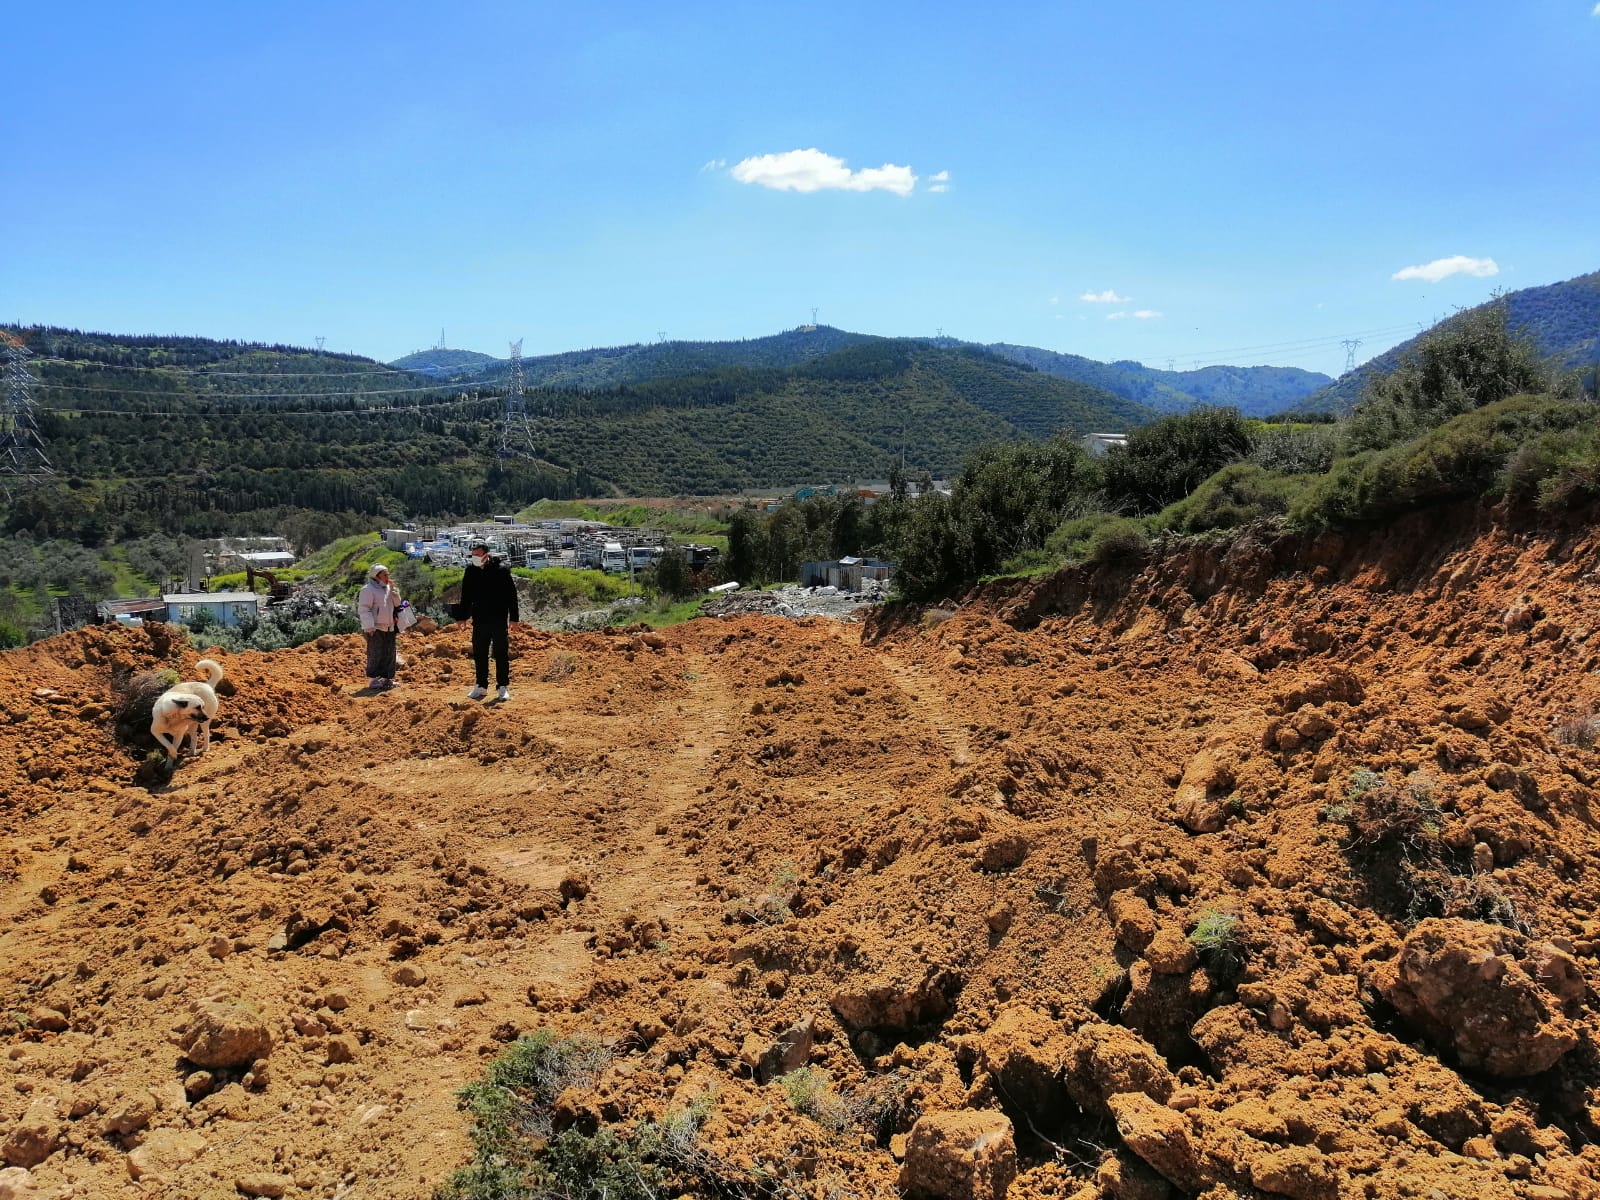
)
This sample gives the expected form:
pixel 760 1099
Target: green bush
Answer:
pixel 1465 457
pixel 1296 449
pixel 1100 539
pixel 1166 460
pixel 1467 362
pixel 1236 495
pixel 810 1094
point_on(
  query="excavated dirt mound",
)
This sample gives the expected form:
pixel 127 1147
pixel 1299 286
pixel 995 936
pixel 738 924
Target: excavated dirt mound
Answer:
pixel 1268 870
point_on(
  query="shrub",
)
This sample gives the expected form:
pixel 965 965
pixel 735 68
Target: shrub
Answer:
pixel 1296 449
pixel 1467 362
pixel 1579 729
pixel 1166 460
pixel 1216 936
pixel 1101 538
pixel 809 1093
pixel 1236 495
pixel 1463 458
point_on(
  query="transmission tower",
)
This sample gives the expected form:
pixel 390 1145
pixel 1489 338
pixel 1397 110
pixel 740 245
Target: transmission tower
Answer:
pixel 516 435
pixel 22 459
pixel 1350 345
pixel 320 341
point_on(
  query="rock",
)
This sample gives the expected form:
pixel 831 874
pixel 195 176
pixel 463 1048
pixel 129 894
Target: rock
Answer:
pixel 1206 783
pixel 1299 1172
pixel 1103 1061
pixel 34 1138
pixel 789 1051
pixel 340 1050
pixel 16 1183
pixel 1171 953
pixel 895 999
pixel 263 1183
pixel 574 886
pixel 1132 920
pixel 409 975
pixel 50 1020
pixel 225 1034
pixel 128 1115
pixel 1486 991
pixel 1024 1051
pixel 959 1156
pixel 1158 1135
pixel 1123 1177
pixel 999 918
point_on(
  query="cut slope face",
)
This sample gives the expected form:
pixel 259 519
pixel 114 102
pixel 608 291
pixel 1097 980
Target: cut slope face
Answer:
pixel 1270 870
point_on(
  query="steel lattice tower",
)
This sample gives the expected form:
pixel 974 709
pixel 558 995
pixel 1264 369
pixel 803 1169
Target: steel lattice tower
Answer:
pixel 22 458
pixel 516 435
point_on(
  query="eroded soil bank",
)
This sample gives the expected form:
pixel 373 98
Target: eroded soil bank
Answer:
pixel 959 862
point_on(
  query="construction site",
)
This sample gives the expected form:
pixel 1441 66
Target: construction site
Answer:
pixel 1263 867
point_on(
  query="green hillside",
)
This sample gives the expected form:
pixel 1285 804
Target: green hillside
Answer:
pixel 1562 320
pixel 441 363
pixel 1254 391
pixel 185 436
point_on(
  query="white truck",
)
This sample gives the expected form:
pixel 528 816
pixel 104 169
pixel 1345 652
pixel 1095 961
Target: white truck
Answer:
pixel 613 559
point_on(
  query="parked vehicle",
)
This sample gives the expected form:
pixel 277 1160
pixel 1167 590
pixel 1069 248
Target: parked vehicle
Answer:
pixel 613 559
pixel 641 558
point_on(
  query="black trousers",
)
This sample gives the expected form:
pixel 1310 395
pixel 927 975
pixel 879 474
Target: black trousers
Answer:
pixel 381 654
pixel 487 635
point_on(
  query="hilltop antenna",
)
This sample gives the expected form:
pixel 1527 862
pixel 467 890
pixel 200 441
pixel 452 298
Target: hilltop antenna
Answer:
pixel 516 436
pixel 1350 345
pixel 440 346
pixel 22 459
pixel 1171 362
pixel 813 316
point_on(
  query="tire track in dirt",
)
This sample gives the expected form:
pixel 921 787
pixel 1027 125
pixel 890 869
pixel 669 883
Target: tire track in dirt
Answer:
pixel 928 701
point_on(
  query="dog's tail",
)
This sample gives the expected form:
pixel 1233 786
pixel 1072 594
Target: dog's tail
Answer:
pixel 212 669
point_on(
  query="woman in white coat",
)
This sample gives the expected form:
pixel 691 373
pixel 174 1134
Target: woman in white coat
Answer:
pixel 377 604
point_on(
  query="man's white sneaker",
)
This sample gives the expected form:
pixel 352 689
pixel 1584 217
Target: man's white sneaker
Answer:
pixel 477 693
pixel 503 694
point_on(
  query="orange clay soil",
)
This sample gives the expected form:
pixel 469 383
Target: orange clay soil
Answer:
pixel 951 859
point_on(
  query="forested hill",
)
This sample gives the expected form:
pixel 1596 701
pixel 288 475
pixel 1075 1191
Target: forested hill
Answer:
pixel 440 362
pixel 202 437
pixel 611 366
pixel 1254 391
pixel 1562 320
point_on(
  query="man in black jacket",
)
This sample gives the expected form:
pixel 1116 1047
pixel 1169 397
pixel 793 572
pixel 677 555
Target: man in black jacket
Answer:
pixel 489 596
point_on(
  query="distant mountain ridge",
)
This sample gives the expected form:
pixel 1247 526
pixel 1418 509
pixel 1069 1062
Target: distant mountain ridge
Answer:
pixel 1562 319
pixel 1256 391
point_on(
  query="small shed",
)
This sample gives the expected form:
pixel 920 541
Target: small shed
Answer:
pixel 152 608
pixel 396 539
pixel 226 608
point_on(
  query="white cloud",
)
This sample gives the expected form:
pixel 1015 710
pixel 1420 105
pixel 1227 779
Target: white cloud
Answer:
pixel 1117 316
pixel 716 164
pixel 1055 299
pixel 1146 314
pixel 1109 296
pixel 1596 12
pixel 939 182
pixel 814 171
pixel 1443 268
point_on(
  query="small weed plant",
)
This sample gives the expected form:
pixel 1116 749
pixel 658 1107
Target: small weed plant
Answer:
pixel 1581 729
pixel 810 1094
pixel 517 1155
pixel 1216 936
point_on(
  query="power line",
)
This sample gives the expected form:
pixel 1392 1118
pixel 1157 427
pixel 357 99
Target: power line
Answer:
pixel 204 374
pixel 22 458
pixel 516 435
pixel 368 410
pixel 217 396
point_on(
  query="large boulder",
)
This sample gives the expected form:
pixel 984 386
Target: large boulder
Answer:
pixel 34 1138
pixel 1488 992
pixel 959 1156
pixel 225 1034
pixel 1103 1061
pixel 1024 1052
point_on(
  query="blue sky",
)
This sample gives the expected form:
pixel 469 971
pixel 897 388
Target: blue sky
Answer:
pixel 1249 181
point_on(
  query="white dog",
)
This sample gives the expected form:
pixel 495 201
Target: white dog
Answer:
pixel 186 710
